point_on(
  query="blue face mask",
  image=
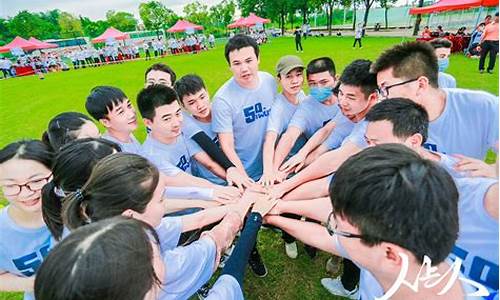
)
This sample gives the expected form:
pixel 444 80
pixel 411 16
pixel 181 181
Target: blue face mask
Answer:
pixel 443 64
pixel 320 94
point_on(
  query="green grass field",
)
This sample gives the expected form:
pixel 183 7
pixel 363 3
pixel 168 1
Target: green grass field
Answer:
pixel 27 104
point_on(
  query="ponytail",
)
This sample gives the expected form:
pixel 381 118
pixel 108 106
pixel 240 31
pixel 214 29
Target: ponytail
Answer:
pixel 74 210
pixel 51 210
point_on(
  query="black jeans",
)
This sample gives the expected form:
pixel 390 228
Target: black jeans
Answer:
pixel 492 48
pixel 350 276
pixel 355 41
pixel 298 44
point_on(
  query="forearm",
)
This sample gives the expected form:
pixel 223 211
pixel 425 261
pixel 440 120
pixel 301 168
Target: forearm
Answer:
pixel 174 205
pixel 212 150
pixel 13 283
pixel 317 209
pixel 268 153
pixel 204 218
pixel 237 262
pixel 309 233
pixel 317 139
pixel 315 154
pixel 233 157
pixel 283 149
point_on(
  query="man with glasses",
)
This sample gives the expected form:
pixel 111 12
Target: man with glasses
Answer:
pixel 381 222
pixel 461 121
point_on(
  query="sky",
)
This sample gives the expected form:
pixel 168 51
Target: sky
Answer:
pixel 94 9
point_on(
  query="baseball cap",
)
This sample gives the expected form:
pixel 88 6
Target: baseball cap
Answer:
pixel 288 63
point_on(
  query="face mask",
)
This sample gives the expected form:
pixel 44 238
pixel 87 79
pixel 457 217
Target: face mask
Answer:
pixel 443 64
pixel 320 94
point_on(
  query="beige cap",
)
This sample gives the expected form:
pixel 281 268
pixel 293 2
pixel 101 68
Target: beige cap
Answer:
pixel 287 63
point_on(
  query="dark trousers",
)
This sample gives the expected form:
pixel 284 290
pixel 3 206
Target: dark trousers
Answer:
pixel 298 45
pixel 492 48
pixel 350 276
pixel 355 41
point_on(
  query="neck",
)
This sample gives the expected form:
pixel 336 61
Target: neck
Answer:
pixel 123 137
pixel 163 139
pixel 361 115
pixel 434 102
pixel 206 119
pixel 26 219
pixel 330 101
pixel 425 287
pixel 249 85
pixel 292 98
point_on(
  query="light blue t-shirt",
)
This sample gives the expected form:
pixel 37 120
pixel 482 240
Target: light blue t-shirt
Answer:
pixel 22 250
pixel 311 115
pixel 226 287
pixel 198 169
pixel 467 126
pixel 282 112
pixel 244 113
pixel 178 154
pixel 189 126
pixel 357 135
pixel 447 81
pixel 169 232
pixel 343 128
pixel 477 243
pixel 188 268
pixel 133 147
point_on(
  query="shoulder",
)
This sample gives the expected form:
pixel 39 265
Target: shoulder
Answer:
pixel 471 98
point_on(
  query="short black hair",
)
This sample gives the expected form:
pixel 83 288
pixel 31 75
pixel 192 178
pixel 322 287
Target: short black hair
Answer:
pixel 406 117
pixel 441 43
pixel 357 73
pixel 154 96
pixel 392 194
pixel 102 99
pixel 409 60
pixel 188 85
pixel 238 42
pixel 319 65
pixel 163 68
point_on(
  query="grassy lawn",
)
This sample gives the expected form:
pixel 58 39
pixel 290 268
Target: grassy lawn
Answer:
pixel 27 104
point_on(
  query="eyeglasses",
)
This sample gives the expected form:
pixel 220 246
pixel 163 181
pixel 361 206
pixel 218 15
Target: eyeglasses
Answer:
pixel 384 90
pixel 35 185
pixel 332 228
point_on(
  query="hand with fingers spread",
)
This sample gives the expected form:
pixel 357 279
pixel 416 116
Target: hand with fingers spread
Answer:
pixel 474 167
pixel 226 194
pixel 264 204
pixel 267 178
pixel 236 178
pixel 295 163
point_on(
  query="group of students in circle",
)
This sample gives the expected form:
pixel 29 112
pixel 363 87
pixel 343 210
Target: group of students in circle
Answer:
pixel 365 158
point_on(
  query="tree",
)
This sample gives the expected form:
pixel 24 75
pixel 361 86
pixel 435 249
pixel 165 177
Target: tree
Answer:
pixel 120 20
pixel 52 30
pixel 197 13
pixel 368 4
pixel 26 25
pixel 418 20
pixel 280 9
pixel 156 16
pixel 259 7
pixel 70 25
pixel 222 13
pixel 386 4
pixel 5 34
pixel 328 6
pixel 93 29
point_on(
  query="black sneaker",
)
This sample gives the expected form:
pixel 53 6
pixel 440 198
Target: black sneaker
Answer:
pixel 256 264
pixel 311 251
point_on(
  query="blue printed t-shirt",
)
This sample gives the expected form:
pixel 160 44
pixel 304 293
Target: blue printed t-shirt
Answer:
pixel 282 112
pixel 467 126
pixel 133 147
pixel 22 250
pixel 176 155
pixel 311 115
pixel 244 113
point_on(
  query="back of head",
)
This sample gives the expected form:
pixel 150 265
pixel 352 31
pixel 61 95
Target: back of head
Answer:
pixel 441 43
pixel 319 65
pixel 189 85
pixel 154 96
pixel 118 182
pixel 400 198
pixel 162 68
pixel 63 128
pixel 102 99
pixel 408 61
pixel 357 73
pixel 238 42
pixel 70 170
pixel 96 262
pixel 28 149
pixel 407 117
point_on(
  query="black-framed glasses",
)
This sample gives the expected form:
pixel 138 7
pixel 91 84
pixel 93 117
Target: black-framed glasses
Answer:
pixel 332 229
pixel 34 185
pixel 384 90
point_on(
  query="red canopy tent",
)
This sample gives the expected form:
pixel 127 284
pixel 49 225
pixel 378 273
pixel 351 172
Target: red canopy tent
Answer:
pixel 111 33
pixel 253 19
pixel 18 42
pixel 450 5
pixel 238 23
pixel 40 44
pixel 183 25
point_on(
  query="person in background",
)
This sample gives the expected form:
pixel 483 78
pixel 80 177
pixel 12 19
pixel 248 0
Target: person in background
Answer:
pixel 489 44
pixel 298 39
pixel 475 39
pixel 358 34
pixel 442 48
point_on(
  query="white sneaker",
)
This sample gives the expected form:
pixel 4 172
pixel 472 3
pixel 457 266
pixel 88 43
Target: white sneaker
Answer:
pixel 335 287
pixel 291 249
